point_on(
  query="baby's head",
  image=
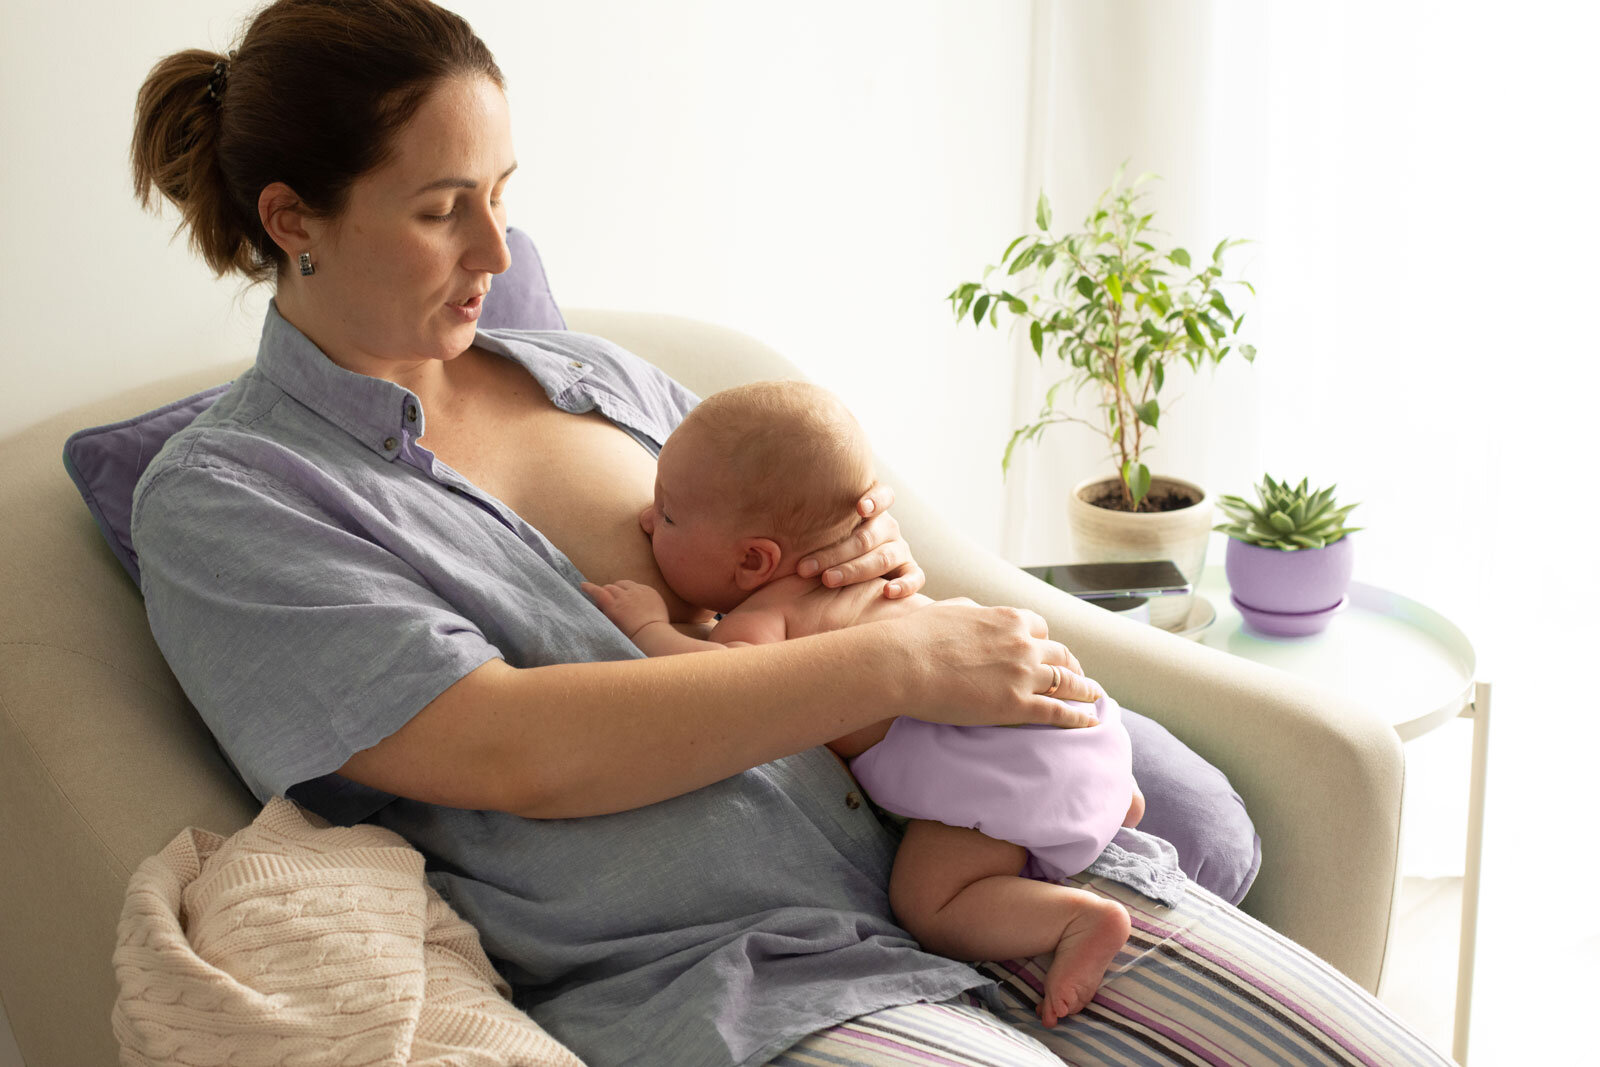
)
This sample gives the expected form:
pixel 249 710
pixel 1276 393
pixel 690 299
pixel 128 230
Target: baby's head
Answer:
pixel 753 479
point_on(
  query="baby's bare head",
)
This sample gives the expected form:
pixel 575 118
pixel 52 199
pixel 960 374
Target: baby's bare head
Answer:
pixel 787 458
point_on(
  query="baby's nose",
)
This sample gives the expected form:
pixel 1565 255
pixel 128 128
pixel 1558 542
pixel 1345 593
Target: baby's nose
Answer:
pixel 647 520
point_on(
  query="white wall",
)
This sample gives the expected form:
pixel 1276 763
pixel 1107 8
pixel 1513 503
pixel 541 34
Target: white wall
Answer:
pixel 817 176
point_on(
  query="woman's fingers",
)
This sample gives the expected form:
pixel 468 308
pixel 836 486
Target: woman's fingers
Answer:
pixel 904 580
pixel 1053 712
pixel 1059 653
pixel 872 549
pixel 1070 685
pixel 878 499
pixel 997 666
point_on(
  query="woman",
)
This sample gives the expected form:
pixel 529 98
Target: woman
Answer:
pixel 363 565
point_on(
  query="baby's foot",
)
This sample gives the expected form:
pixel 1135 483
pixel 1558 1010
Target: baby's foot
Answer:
pixel 1090 942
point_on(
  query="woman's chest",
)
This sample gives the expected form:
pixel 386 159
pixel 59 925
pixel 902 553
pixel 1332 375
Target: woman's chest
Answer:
pixel 578 479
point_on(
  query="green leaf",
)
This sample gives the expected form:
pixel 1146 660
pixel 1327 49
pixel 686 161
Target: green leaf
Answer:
pixel 979 309
pixel 1192 328
pixel 1041 213
pixel 1149 413
pixel 1114 286
pixel 1180 257
pixel 1086 286
pixel 1159 373
pixel 1036 335
pixel 1012 247
pixel 1248 352
pixel 1005 460
pixel 1137 477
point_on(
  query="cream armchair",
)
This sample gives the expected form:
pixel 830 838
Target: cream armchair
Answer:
pixel 103 761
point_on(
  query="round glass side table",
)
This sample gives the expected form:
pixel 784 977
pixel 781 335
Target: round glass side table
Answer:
pixel 1402 659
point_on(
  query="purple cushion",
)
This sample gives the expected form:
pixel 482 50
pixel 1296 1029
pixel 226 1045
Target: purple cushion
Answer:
pixel 1190 803
pixel 105 462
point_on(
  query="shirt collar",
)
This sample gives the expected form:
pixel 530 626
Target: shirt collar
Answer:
pixel 377 412
pixel 372 410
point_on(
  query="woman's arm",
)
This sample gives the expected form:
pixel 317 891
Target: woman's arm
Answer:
pixel 590 738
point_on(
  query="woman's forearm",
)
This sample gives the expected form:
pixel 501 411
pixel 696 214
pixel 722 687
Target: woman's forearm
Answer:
pixel 590 738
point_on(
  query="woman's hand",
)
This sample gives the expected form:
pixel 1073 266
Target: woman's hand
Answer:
pixel 975 666
pixel 874 549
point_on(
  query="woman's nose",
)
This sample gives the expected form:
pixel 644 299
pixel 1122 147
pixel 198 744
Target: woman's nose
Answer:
pixel 488 251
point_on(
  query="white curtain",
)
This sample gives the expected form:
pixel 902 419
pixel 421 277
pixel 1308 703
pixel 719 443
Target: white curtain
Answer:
pixel 1419 182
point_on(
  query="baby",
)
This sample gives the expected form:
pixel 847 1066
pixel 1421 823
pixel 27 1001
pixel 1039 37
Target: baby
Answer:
pixel 760 475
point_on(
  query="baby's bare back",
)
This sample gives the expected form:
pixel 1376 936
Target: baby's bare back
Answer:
pixel 808 607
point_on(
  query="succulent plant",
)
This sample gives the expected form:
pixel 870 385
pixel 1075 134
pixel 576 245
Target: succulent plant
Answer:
pixel 1287 517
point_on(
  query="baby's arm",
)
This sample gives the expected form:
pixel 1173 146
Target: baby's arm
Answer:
pixel 638 611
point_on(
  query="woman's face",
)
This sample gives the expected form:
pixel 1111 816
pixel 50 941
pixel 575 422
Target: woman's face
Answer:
pixel 401 274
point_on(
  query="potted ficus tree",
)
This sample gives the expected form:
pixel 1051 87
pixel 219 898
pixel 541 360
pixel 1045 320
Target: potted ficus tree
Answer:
pixel 1290 556
pixel 1117 311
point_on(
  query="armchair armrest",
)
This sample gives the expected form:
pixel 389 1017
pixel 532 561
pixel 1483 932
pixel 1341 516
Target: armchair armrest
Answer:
pixel 1320 776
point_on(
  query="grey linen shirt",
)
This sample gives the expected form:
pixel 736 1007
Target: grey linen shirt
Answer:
pixel 315 578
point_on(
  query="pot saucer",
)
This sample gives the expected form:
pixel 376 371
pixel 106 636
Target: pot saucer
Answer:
pixel 1288 624
pixel 1202 613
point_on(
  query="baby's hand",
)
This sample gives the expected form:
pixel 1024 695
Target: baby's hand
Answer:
pixel 631 605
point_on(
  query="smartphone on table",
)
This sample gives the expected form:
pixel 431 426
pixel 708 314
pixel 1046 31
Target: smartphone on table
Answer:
pixel 1101 581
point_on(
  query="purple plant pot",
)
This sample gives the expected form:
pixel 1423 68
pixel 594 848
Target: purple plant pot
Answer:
pixel 1308 581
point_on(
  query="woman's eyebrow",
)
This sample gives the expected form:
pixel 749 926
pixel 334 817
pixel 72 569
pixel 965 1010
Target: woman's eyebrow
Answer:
pixel 460 183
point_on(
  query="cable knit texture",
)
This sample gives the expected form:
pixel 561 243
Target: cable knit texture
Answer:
pixel 298 943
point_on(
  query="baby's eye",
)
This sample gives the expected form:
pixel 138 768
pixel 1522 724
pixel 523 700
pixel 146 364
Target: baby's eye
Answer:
pixel 667 519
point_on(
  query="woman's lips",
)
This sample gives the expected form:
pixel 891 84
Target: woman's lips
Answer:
pixel 468 309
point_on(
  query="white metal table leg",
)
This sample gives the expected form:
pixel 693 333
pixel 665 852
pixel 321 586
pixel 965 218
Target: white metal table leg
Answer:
pixel 1479 713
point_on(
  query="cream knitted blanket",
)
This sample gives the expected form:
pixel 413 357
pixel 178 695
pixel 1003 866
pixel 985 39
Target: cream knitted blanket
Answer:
pixel 296 942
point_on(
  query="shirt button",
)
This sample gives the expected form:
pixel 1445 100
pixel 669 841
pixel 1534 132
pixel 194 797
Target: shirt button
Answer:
pixel 575 365
pixel 411 413
pixel 852 800
pixel 389 444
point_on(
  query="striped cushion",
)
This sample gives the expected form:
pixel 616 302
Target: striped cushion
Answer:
pixel 1200 983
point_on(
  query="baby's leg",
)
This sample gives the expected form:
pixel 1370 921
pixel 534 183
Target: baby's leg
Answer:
pixel 959 893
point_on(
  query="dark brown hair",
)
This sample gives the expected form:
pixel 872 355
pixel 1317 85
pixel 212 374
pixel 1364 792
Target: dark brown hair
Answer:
pixel 312 97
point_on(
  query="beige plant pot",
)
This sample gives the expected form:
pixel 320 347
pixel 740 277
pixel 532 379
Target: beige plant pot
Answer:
pixel 1100 535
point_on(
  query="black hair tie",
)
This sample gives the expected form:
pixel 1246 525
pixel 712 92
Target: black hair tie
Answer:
pixel 219 77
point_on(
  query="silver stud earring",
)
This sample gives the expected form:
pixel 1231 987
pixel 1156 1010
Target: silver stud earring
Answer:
pixel 306 269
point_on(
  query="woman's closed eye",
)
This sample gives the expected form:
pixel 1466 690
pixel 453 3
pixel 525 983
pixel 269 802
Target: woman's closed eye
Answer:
pixel 494 205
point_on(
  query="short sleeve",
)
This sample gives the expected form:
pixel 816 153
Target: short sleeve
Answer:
pixel 300 640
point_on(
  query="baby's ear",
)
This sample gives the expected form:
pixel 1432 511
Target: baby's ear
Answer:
pixel 758 562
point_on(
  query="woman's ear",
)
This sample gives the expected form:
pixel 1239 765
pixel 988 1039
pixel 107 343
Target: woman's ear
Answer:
pixel 758 562
pixel 286 220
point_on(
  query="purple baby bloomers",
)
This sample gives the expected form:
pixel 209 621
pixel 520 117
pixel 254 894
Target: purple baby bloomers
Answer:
pixel 1061 794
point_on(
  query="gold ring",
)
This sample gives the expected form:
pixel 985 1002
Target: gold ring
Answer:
pixel 1055 680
